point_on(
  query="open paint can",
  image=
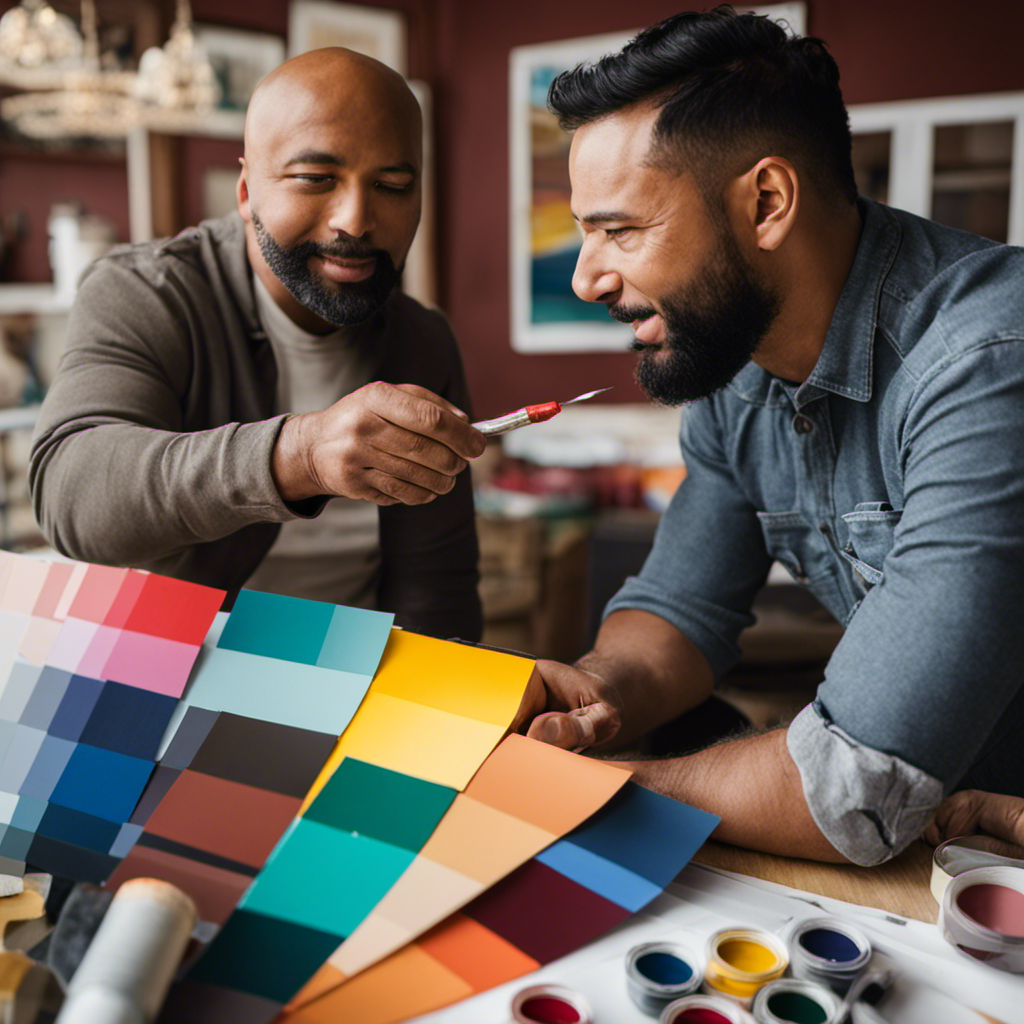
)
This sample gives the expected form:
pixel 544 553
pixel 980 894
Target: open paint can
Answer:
pixel 550 1004
pixel 794 1001
pixel 658 973
pixel 955 856
pixel 742 960
pixel 703 1009
pixel 829 952
pixel 982 915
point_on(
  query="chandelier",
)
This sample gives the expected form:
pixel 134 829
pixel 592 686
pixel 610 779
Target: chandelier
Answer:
pixel 72 95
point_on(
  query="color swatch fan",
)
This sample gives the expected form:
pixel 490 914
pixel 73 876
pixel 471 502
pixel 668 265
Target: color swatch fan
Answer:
pixel 92 663
pixel 574 892
pixel 273 687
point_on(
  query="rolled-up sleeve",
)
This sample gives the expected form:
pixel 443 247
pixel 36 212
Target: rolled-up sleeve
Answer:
pixel 868 804
pixel 709 557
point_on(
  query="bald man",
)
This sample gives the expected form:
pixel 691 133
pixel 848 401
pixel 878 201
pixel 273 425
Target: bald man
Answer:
pixel 254 402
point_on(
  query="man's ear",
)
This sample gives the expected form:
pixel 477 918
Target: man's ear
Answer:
pixel 242 191
pixel 769 196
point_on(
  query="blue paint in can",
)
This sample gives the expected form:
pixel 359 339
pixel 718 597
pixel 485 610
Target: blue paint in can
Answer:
pixel 664 968
pixel 830 945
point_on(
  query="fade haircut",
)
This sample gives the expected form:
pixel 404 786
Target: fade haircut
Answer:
pixel 732 88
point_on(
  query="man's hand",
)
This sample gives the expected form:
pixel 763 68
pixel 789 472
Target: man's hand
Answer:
pixel 582 709
pixel 385 443
pixel 971 810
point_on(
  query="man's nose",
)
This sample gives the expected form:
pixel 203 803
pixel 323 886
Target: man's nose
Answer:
pixel 352 213
pixel 593 282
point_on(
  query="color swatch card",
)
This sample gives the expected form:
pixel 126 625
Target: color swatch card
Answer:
pixel 436 709
pixel 403 854
pixel 300 663
pixel 101 657
pixel 525 796
pixel 577 890
pixel 222 796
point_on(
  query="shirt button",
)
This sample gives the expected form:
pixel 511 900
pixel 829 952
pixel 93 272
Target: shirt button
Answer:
pixel 802 425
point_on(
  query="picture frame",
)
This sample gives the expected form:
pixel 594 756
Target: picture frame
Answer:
pixel 240 58
pixel 544 241
pixel 377 32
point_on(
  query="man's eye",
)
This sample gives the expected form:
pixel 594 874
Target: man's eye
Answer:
pixel 315 179
pixel 394 187
pixel 617 232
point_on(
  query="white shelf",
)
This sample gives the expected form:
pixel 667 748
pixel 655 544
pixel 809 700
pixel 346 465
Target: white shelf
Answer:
pixel 19 417
pixel 33 298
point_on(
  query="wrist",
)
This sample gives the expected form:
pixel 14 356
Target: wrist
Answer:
pixel 289 463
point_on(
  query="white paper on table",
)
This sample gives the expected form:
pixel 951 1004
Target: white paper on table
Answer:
pixel 933 980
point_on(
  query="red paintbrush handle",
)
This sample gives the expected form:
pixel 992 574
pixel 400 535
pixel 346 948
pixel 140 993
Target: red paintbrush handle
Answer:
pixel 540 413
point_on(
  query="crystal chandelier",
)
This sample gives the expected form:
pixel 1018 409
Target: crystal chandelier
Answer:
pixel 36 45
pixel 73 96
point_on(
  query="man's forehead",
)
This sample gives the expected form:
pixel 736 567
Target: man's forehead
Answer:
pixel 607 165
pixel 315 135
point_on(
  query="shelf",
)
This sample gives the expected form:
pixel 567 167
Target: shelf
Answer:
pixel 220 124
pixel 18 417
pixel 33 298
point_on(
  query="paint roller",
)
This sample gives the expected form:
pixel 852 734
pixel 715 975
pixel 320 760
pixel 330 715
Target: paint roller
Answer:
pixel 130 963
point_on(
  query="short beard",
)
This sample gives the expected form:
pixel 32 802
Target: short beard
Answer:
pixel 713 327
pixel 342 304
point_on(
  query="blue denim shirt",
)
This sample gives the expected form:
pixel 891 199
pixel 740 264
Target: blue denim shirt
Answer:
pixel 891 484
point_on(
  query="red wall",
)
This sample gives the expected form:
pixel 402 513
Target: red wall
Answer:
pixel 886 50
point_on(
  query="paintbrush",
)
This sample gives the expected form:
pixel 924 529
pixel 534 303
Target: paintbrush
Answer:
pixel 530 414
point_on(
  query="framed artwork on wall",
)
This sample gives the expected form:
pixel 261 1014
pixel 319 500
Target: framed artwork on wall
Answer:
pixel 374 31
pixel 240 59
pixel 544 240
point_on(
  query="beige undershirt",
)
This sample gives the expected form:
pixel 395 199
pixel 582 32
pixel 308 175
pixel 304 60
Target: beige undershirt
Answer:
pixel 336 556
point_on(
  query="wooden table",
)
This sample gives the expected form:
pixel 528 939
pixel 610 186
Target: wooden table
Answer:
pixel 899 886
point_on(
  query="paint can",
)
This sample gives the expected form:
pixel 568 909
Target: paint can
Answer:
pixel 955 856
pixel 795 1001
pixel 658 973
pixel 982 915
pixel 741 960
pixel 703 1009
pixel 829 952
pixel 550 1004
pixel 127 969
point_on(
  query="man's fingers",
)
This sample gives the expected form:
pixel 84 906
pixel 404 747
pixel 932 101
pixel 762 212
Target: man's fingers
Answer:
pixel 576 730
pixel 430 396
pixel 973 810
pixel 415 473
pixel 1002 816
pixel 422 412
pixel 397 490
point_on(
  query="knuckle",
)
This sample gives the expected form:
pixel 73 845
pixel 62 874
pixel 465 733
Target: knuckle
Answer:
pixel 452 463
pixel 431 417
pixel 420 444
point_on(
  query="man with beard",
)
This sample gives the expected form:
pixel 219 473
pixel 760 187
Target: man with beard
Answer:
pixel 254 402
pixel 855 380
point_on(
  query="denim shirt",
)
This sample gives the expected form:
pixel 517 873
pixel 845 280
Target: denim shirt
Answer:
pixel 891 484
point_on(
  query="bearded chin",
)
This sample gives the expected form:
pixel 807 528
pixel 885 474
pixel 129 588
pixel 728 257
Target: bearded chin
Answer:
pixel 343 305
pixel 712 331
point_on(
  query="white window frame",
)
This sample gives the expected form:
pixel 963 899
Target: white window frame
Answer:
pixel 912 126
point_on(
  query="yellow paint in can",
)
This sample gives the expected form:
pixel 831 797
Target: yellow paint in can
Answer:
pixel 741 960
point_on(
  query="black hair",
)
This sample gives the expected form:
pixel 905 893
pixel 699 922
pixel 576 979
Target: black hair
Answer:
pixel 732 88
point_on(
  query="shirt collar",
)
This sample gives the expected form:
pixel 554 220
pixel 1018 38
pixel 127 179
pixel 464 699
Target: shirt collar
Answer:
pixel 844 366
